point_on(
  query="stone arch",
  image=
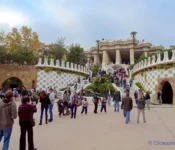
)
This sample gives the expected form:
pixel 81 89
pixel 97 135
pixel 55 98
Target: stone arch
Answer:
pixel 14 83
pixel 27 74
pixel 167 83
pixel 109 70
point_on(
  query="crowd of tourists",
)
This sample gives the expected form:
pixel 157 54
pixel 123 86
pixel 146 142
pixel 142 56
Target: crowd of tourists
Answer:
pixel 68 105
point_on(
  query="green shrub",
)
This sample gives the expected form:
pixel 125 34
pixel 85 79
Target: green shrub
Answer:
pixel 47 69
pixel 59 72
pixel 101 84
pixel 141 73
pixel 95 68
pixel 132 76
pixel 62 89
pixel 139 85
pixel 144 74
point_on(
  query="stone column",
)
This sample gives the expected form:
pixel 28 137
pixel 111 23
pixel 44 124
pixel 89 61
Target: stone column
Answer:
pixel 96 59
pixel 118 57
pixel 145 53
pixel 88 62
pixel 105 59
pixel 131 56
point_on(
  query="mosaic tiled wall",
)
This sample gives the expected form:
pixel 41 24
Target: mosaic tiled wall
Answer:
pixel 150 80
pixel 53 79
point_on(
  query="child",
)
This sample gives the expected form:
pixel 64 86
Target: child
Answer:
pixel 60 107
pixel 85 106
pixel 103 106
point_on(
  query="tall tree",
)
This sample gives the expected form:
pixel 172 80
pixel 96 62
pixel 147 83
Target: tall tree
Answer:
pixel 76 55
pixel 22 39
pixel 172 47
pixel 58 49
pixel 2 37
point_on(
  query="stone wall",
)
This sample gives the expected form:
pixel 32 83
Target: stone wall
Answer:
pixel 27 74
pixel 153 79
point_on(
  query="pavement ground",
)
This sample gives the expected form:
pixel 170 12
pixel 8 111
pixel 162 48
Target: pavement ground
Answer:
pixel 102 131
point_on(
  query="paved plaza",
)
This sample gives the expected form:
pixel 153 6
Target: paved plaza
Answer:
pixel 102 131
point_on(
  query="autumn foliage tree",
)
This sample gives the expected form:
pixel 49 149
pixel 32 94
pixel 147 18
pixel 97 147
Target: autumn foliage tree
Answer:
pixel 23 38
pixel 19 45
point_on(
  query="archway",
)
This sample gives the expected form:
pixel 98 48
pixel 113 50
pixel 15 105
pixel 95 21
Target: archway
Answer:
pixel 11 83
pixel 167 93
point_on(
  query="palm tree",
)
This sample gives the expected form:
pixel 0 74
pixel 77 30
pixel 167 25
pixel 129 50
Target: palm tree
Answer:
pixel 133 34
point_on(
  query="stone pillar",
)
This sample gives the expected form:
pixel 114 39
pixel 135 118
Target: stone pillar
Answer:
pixel 131 56
pixel 145 53
pixel 95 59
pixel 88 62
pixel 118 57
pixel 105 59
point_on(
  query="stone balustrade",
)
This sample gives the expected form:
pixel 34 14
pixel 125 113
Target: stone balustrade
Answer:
pixel 63 66
pixel 154 61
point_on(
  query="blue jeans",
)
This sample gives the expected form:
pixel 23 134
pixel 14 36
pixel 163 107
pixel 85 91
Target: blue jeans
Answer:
pixel 7 134
pixel 116 106
pixel 42 111
pixel 50 111
pixel 127 113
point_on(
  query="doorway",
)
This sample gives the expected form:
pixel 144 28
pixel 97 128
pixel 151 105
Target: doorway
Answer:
pixel 167 94
pixel 12 83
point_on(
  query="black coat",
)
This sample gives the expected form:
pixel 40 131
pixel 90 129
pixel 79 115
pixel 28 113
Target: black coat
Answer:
pixel 117 96
pixel 45 101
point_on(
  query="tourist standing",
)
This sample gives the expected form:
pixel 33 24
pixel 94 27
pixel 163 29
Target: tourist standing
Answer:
pixel 95 101
pixel 73 105
pixel 136 96
pixel 15 94
pixel 108 95
pixel 23 93
pixel 26 122
pixel 147 100
pixel 75 87
pixel 103 104
pixel 52 100
pixel 45 101
pixel 127 107
pixel 84 106
pixel 130 82
pixel 159 95
pixel 116 100
pixel 8 112
pixel 141 107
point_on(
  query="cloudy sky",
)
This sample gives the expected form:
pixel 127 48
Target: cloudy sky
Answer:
pixel 85 21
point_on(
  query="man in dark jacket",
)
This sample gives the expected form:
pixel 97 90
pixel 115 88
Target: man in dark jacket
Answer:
pixel 116 100
pixel 127 106
pixel 26 122
pixel 8 112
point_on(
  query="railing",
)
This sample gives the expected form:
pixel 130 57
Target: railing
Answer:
pixel 154 61
pixel 63 66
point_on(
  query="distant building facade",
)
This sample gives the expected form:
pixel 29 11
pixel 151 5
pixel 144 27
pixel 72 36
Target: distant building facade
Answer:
pixel 119 52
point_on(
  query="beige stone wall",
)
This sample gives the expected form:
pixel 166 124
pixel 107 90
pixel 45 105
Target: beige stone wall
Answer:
pixel 25 73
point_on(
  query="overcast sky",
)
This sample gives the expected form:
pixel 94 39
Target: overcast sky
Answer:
pixel 85 21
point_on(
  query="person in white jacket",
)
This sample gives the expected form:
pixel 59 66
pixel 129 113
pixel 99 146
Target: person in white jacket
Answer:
pixel 52 100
